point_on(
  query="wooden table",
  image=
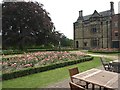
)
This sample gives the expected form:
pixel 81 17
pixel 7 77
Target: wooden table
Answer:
pixel 99 77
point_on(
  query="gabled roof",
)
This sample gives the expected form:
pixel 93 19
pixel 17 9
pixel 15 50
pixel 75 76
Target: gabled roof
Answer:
pixel 87 17
pixel 95 14
pixel 103 14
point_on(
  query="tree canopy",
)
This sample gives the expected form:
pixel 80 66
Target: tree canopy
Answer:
pixel 27 23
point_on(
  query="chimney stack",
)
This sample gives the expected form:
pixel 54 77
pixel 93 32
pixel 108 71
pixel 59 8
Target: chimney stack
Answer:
pixel 112 6
pixel 80 13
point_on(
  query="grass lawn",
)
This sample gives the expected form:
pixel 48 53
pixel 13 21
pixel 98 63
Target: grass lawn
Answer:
pixel 48 77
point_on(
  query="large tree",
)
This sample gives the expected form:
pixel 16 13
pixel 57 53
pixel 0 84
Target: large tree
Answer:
pixel 26 23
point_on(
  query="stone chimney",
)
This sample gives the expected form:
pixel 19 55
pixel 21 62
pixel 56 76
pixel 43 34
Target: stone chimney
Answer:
pixel 112 7
pixel 81 13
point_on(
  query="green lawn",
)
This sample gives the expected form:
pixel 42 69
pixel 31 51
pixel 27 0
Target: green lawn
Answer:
pixel 48 77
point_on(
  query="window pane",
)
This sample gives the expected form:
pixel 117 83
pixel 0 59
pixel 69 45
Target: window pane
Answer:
pixel 116 24
pixel 116 34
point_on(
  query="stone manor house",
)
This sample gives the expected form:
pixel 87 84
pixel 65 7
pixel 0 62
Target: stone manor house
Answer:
pixel 98 30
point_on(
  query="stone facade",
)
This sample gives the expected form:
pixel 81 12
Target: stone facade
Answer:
pixel 116 30
pixel 95 30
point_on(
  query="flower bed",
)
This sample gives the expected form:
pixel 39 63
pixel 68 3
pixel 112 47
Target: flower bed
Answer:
pixel 33 70
pixel 37 59
pixel 105 50
pixel 38 62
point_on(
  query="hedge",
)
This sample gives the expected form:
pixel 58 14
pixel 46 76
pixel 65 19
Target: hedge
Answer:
pixel 12 52
pixel 108 52
pixel 32 70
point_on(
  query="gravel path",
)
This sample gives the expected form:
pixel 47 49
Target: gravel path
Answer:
pixel 61 84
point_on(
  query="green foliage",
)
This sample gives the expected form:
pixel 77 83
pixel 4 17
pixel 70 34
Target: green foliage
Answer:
pixel 105 52
pixel 33 70
pixel 11 52
pixel 26 24
pixel 16 51
pixel 65 42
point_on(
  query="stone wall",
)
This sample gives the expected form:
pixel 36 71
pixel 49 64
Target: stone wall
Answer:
pixel 84 34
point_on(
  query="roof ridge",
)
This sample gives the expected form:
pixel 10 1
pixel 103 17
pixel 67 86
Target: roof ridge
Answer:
pixel 103 13
pixel 97 11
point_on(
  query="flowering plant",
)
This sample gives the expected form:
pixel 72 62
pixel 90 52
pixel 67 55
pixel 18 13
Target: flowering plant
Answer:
pixel 37 59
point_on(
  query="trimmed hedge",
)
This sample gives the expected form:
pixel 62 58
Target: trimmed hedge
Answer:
pixel 108 52
pixel 12 52
pixel 28 71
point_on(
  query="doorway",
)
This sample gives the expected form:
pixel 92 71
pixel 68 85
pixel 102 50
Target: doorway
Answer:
pixel 77 44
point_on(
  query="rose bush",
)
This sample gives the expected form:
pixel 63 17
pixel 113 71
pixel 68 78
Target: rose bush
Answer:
pixel 37 59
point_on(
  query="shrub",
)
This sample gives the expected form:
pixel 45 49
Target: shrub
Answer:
pixel 33 70
pixel 105 50
pixel 12 52
pixel 37 59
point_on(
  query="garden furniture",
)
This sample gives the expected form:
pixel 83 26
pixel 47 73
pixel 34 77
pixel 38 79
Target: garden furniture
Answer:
pixel 74 71
pixel 74 86
pixel 115 66
pixel 97 77
pixel 106 64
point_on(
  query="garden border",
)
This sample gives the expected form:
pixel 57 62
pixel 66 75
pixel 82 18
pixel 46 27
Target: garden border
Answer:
pixel 33 70
pixel 104 52
pixel 12 52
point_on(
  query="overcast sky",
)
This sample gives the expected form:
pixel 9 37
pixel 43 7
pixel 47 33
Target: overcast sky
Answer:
pixel 64 12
